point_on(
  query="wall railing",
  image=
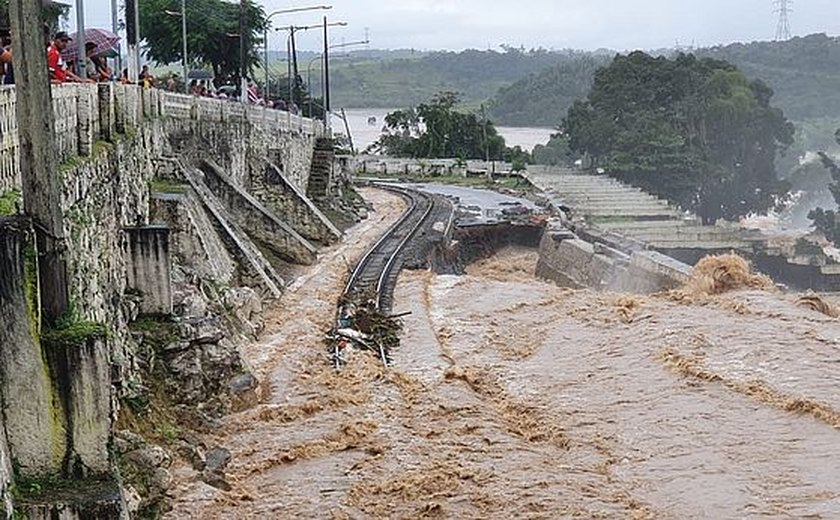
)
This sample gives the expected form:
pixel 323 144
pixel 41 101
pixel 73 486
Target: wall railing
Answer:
pixel 84 114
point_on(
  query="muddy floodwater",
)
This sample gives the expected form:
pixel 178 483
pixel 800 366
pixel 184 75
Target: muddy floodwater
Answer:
pixel 513 398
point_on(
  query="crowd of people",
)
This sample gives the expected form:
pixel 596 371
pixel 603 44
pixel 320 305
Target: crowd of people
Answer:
pixel 97 70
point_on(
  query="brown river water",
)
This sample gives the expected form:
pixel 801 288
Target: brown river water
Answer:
pixel 510 397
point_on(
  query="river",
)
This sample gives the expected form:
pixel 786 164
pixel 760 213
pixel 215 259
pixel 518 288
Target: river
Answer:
pixel 512 398
pixel 364 134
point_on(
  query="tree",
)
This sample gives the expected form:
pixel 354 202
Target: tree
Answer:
pixel 828 221
pixel 212 34
pixel 556 152
pixel 436 130
pixel 696 132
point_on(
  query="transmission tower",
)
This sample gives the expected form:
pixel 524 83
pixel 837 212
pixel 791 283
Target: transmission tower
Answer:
pixel 783 7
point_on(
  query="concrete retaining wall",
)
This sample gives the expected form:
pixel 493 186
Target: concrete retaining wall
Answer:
pixel 572 262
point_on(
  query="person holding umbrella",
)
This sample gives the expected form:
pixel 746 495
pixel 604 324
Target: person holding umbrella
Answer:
pixel 96 65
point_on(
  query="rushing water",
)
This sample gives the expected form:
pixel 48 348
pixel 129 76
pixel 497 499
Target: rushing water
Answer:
pixel 510 397
pixel 364 133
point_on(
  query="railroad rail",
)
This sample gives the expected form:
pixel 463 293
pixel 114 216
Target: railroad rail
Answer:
pixel 376 273
pixel 411 237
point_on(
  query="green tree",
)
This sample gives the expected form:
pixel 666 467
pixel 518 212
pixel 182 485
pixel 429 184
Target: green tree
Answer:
pixel 212 34
pixel 828 221
pixel 436 130
pixel 696 132
pixel 556 152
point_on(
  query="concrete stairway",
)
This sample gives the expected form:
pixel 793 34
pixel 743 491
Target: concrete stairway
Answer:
pixel 613 207
pixel 320 175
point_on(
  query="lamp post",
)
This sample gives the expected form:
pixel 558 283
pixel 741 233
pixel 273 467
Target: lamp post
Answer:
pixel 265 40
pixel 183 15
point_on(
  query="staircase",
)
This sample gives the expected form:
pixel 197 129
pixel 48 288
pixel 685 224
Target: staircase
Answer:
pixel 608 206
pixel 320 175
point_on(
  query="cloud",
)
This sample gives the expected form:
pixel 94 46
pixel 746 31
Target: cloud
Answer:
pixel 585 24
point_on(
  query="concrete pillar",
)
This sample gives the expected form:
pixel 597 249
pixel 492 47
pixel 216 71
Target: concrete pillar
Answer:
pixel 107 112
pixel 149 268
pixel 81 368
pixel 86 112
pixel 33 421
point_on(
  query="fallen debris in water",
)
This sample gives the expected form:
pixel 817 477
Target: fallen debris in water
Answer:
pixel 363 327
pixel 813 301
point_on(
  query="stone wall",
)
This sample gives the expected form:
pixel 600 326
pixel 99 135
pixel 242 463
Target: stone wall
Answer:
pixel 572 262
pixel 108 137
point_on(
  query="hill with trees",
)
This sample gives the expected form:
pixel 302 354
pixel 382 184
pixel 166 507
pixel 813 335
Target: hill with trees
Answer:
pixel 804 74
pixel 543 98
pixel 358 81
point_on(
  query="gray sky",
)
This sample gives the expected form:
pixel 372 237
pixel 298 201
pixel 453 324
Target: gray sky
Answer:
pixel 582 24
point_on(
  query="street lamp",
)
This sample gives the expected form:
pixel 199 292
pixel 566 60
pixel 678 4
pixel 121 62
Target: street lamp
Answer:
pixel 265 43
pixel 183 15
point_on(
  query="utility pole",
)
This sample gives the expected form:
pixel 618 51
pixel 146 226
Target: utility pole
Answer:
pixel 326 84
pixel 81 63
pixel 783 7
pixel 184 40
pixel 243 51
pixel 38 160
pixel 132 35
pixel 295 83
pixel 115 28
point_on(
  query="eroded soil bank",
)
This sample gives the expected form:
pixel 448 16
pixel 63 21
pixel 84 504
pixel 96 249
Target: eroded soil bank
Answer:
pixel 514 398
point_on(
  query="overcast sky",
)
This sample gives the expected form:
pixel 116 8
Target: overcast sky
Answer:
pixel 553 24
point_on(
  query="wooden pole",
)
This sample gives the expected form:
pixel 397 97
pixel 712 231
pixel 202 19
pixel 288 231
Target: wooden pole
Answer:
pixel 38 160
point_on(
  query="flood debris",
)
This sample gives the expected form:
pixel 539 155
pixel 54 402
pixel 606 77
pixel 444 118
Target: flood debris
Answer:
pixel 718 274
pixel 813 301
pixel 360 325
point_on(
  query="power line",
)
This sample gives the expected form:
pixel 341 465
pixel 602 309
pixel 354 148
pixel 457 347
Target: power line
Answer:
pixel 783 8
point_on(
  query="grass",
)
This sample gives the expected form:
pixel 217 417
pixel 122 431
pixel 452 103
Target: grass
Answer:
pixel 167 186
pixel 9 202
pixel 74 333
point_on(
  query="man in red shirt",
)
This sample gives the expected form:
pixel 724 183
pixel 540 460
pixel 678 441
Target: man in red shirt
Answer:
pixel 58 69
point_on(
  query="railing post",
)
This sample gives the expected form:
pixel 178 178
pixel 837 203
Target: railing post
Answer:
pixel 84 118
pixel 107 123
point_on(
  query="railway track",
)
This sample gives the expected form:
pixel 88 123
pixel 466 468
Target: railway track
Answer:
pixel 371 284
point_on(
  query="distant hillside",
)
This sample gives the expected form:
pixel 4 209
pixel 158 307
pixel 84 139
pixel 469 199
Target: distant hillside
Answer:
pixel 803 72
pixel 542 99
pixel 388 83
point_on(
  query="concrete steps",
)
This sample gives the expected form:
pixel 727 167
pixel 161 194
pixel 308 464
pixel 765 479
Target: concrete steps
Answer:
pixel 629 212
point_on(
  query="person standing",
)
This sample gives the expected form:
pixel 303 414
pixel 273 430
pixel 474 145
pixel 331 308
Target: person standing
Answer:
pixel 58 69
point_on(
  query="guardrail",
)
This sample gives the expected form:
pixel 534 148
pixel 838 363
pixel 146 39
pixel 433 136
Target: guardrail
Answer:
pixel 84 114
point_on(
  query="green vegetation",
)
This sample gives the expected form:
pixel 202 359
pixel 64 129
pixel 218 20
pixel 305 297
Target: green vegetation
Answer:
pixel 803 72
pixel 554 153
pixel 212 22
pixel 693 131
pixel 385 82
pixel 161 185
pixel 72 331
pixel 9 203
pixel 542 99
pixel 436 130
pixel 827 221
